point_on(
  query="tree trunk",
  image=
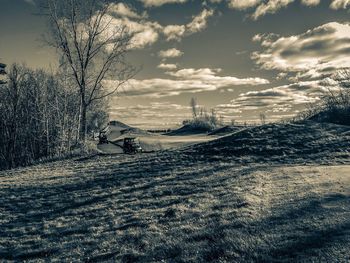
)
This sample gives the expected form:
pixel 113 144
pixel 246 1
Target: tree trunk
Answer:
pixel 82 132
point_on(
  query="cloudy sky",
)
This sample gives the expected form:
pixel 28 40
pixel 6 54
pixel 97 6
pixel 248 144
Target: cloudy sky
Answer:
pixel 240 57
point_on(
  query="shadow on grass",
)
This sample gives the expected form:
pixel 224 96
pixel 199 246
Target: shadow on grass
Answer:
pixel 305 233
pixel 86 198
pixel 121 205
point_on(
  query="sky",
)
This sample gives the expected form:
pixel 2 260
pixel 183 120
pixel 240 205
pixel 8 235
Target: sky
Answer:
pixel 238 57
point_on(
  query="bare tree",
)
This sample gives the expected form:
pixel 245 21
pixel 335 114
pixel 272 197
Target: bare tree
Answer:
pixel 262 118
pixel 194 107
pixel 38 117
pixel 93 46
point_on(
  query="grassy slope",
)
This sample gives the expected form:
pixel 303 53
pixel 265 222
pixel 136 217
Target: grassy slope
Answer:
pixel 308 142
pixel 174 206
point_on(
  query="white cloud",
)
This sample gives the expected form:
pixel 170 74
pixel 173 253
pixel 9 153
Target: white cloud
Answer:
pixel 227 109
pixel 242 5
pixel 297 93
pixel 316 53
pixel 170 53
pixel 174 32
pixel 311 2
pixel 264 7
pixel 167 66
pixel 283 101
pixel 211 76
pixel 124 10
pixel 340 4
pixel 158 87
pixel 153 115
pixel 157 3
pixel 185 81
pixel 144 32
pixel 199 22
pixel 144 38
pixel 147 32
pixel 272 6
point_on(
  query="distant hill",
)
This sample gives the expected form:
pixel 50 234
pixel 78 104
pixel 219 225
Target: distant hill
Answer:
pixel 226 130
pixel 116 129
pixel 279 142
pixel 187 130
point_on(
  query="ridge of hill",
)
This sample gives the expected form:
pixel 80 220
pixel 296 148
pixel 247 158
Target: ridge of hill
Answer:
pixel 279 142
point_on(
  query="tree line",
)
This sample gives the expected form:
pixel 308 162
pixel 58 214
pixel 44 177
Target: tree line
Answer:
pixel 40 116
pixel 50 114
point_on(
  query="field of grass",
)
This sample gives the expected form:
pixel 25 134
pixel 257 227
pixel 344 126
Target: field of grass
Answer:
pixel 179 206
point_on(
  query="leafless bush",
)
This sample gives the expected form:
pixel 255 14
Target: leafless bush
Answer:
pixel 202 120
pixel 39 117
pixel 334 105
pixel 262 117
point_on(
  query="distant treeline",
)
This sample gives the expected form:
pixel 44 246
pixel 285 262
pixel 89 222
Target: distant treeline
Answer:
pixel 39 116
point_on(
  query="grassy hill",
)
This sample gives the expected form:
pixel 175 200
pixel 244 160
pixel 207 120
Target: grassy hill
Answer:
pixel 205 202
pixel 280 143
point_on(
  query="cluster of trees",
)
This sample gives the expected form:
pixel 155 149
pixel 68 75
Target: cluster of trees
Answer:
pixel 40 116
pixel 44 115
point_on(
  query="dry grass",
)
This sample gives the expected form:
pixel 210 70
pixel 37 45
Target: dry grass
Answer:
pixel 167 207
pixel 292 143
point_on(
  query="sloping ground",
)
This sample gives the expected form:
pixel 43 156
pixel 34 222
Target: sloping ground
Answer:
pixel 226 130
pixel 165 207
pixel 287 143
pixel 163 142
pixel 117 129
pixel 336 115
pixel 109 148
pixel 208 202
pixel 187 130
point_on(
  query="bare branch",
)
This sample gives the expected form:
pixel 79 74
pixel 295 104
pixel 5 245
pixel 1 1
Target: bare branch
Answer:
pixel 92 45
